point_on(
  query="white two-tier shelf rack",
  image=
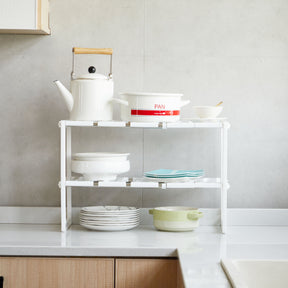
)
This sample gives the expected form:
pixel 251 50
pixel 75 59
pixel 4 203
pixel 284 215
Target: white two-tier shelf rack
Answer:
pixel 67 182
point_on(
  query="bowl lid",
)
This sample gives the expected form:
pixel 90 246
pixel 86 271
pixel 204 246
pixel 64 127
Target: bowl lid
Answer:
pixel 145 94
pixel 98 155
pixel 175 208
pixel 208 107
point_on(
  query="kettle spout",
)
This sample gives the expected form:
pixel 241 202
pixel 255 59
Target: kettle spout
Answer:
pixel 66 95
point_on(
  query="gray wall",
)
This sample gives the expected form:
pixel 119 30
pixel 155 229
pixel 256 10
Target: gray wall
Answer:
pixel 230 50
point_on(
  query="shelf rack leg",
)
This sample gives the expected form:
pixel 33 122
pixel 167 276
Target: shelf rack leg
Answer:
pixel 65 191
pixel 68 173
pixel 224 181
pixel 223 247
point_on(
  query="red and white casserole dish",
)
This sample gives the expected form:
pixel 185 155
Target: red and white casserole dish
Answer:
pixel 151 107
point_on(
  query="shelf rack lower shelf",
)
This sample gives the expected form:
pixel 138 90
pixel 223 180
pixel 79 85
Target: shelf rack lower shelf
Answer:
pixel 126 182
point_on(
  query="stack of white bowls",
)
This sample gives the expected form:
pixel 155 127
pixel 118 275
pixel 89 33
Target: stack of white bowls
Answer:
pixel 100 166
pixel 109 218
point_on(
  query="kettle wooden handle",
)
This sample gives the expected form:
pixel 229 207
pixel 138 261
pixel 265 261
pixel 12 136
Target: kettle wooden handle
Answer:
pixel 105 51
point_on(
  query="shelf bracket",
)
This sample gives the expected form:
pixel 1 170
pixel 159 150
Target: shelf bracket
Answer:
pixel 162 185
pixel 162 125
pixel 128 183
pixel 225 185
pixel 226 125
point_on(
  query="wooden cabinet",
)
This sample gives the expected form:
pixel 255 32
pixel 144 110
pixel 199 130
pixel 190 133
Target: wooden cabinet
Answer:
pixel 76 272
pixel 35 272
pixel 148 273
pixel 24 16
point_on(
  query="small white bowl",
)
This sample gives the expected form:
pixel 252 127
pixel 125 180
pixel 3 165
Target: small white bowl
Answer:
pixel 100 170
pixel 207 111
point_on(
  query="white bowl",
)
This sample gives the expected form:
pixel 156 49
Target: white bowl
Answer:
pixel 100 170
pixel 207 111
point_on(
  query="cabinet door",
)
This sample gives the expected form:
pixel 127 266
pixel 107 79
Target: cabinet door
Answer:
pixel 24 16
pixel 18 14
pixel 147 273
pixel 32 272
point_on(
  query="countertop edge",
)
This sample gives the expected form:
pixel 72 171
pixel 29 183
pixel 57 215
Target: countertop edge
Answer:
pixel 31 251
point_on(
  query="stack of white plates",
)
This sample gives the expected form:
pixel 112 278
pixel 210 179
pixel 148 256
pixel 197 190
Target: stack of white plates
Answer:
pixel 109 218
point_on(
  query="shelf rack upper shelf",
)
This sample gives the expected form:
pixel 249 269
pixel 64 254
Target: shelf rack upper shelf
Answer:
pixel 160 125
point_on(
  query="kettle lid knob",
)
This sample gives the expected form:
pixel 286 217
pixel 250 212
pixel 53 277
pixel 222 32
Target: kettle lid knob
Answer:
pixel 91 69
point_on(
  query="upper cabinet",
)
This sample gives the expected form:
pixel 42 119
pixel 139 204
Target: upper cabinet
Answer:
pixel 24 16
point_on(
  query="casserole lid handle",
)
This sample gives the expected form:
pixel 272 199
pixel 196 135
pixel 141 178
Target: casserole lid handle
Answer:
pixel 184 102
pixel 120 101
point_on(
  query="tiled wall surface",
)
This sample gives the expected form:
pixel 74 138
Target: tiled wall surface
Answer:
pixel 230 50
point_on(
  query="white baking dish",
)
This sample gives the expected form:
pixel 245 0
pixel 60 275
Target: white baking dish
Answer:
pixel 151 107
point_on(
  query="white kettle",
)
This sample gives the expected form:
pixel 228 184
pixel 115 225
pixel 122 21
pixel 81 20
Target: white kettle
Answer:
pixel 91 94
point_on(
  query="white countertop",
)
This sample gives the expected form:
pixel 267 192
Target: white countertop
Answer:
pixel 199 252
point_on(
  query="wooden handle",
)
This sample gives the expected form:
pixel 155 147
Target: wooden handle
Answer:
pixel 219 104
pixel 105 51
